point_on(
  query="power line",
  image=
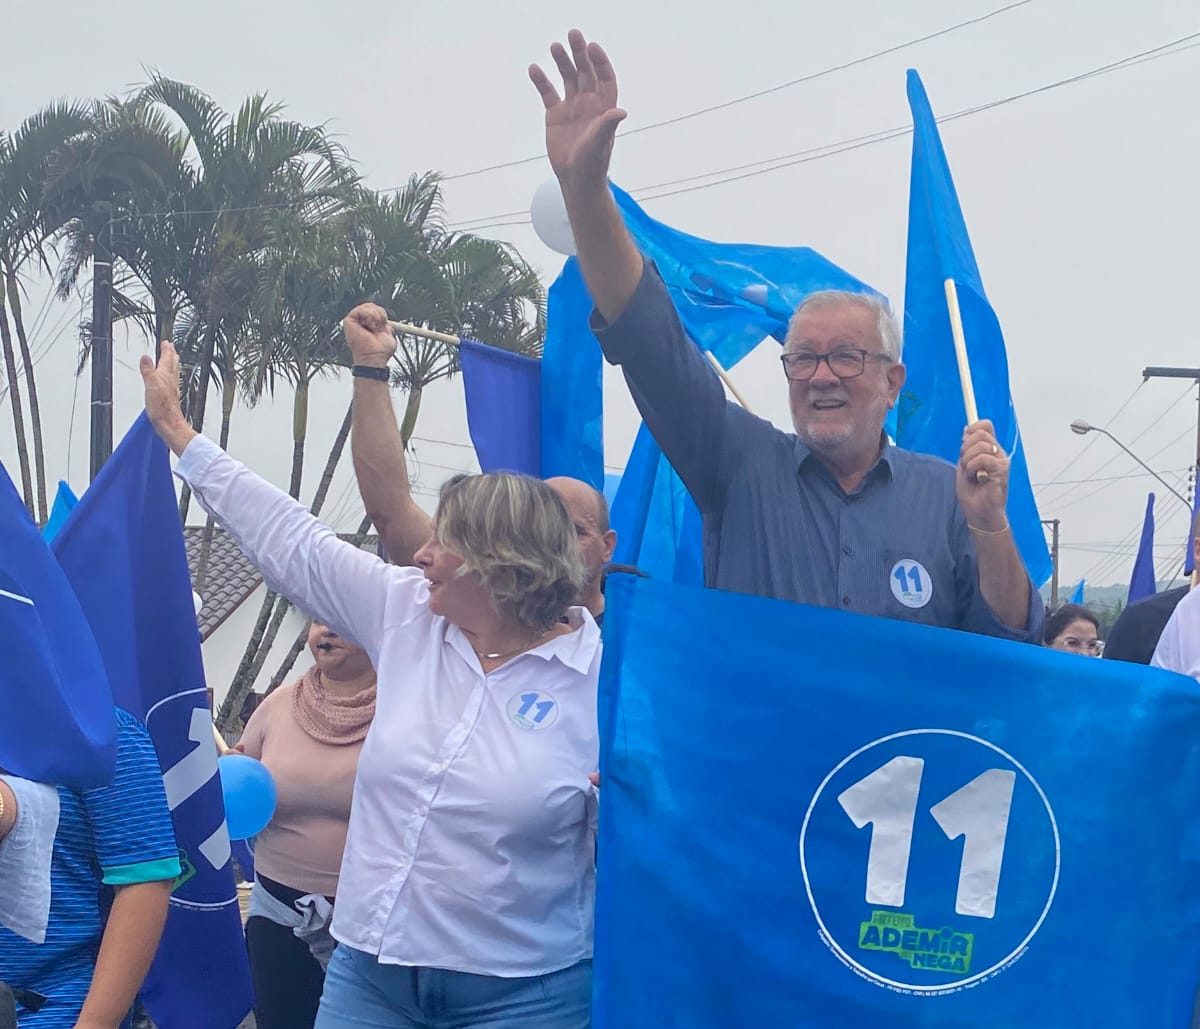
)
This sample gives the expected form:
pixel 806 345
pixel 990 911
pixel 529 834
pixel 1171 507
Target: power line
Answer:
pixel 858 142
pixel 810 77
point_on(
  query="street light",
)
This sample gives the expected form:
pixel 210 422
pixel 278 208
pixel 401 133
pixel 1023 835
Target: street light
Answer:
pixel 1082 427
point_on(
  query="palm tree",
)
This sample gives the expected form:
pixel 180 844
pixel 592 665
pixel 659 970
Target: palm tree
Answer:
pixel 24 159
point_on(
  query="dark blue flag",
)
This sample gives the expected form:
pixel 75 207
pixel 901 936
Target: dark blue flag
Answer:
pixel 930 415
pixel 1142 583
pixel 504 407
pixel 58 724
pixel 1189 562
pixel 122 549
pixel 814 819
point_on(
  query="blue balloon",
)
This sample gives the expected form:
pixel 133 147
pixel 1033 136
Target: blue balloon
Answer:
pixel 249 793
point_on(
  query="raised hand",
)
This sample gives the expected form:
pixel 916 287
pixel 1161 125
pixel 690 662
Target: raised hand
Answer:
pixel 161 382
pixel 369 336
pixel 580 125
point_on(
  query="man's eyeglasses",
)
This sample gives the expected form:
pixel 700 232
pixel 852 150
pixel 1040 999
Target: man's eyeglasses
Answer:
pixel 802 365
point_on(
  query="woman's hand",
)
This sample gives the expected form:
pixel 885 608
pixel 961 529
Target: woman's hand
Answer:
pixel 162 398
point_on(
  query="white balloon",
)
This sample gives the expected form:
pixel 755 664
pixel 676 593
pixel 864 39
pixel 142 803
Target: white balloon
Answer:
pixel 548 213
pixel 197 601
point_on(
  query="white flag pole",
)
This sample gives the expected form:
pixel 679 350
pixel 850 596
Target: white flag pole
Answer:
pixel 964 366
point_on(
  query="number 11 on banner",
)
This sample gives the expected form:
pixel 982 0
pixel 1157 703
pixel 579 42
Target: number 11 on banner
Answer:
pixel 886 799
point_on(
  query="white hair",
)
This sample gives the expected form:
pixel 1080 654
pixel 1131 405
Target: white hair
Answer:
pixel 886 324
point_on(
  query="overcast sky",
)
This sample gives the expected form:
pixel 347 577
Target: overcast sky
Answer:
pixel 1082 200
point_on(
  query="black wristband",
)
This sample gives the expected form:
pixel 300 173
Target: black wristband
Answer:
pixel 367 371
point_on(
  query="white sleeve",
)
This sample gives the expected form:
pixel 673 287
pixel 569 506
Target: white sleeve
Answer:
pixel 348 589
pixel 25 855
pixel 1178 647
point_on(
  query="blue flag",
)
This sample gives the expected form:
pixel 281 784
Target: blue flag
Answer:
pixel 730 297
pixel 504 407
pixel 58 724
pixel 122 549
pixel 844 835
pixel 64 503
pixel 1077 592
pixel 1142 583
pixel 930 415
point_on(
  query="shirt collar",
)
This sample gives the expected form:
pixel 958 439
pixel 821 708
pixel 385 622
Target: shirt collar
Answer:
pixel 887 463
pixel 576 649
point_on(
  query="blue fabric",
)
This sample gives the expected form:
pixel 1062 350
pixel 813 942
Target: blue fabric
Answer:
pixel 930 414
pixel 730 297
pixel 504 407
pixel 64 502
pixel 1141 582
pixel 58 725
pixel 122 549
pixel 123 823
pixel 1077 593
pixel 572 393
pixel 734 885
pixel 361 993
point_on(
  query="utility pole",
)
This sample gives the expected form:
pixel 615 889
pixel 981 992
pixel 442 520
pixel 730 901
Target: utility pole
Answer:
pixel 1053 523
pixel 101 350
pixel 1185 373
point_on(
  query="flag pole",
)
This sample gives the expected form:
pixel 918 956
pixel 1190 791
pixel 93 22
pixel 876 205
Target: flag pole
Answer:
pixel 725 378
pixel 417 330
pixel 964 366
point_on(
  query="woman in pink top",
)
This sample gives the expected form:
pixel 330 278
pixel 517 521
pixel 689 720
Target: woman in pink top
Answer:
pixel 309 734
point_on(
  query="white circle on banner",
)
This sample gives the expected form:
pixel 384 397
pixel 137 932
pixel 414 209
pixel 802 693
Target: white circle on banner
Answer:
pixel 921 988
pixel 910 582
pixel 532 710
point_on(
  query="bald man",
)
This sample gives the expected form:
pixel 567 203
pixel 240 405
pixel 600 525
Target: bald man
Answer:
pixel 382 472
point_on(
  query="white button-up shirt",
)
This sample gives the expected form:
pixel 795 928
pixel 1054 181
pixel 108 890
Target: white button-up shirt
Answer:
pixel 472 834
pixel 1179 645
pixel 25 859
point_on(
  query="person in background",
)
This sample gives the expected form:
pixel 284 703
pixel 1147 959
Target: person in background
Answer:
pixel 467 886
pixel 832 515
pixel 1178 648
pixel 1074 629
pixel 89 969
pixel 1138 628
pixel 309 735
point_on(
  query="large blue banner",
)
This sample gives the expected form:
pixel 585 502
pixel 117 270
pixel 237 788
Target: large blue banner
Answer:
pixel 817 819
pixel 122 549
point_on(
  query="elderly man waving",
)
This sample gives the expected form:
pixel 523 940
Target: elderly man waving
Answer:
pixel 833 515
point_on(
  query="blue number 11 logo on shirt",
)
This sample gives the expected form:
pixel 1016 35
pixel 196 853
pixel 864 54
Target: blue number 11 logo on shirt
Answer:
pixel 911 584
pixel 532 710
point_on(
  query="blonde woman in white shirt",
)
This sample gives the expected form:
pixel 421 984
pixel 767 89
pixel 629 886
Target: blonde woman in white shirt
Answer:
pixel 466 890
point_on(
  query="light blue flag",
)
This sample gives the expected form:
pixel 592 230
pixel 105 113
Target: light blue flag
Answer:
pixel 64 503
pixel 122 549
pixel 931 415
pixel 1142 583
pixel 1077 592
pixel 809 822
pixel 730 297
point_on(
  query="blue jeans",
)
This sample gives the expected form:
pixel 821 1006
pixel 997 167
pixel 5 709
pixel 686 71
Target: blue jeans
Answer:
pixel 361 993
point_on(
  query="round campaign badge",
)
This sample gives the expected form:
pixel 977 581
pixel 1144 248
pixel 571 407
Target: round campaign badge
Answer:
pixel 911 584
pixel 930 859
pixel 532 710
